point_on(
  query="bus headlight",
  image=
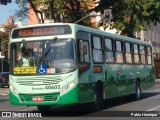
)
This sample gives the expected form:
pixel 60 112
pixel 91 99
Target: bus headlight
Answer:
pixel 13 90
pixel 68 87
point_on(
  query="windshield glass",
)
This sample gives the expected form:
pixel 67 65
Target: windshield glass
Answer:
pixel 43 57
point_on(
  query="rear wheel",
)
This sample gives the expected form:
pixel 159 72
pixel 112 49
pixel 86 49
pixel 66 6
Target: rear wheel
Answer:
pixel 43 108
pixel 99 101
pixel 137 92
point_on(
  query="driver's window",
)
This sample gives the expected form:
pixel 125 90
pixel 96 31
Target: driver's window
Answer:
pixel 26 54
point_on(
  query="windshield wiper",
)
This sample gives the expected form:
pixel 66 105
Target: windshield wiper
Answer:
pixel 54 40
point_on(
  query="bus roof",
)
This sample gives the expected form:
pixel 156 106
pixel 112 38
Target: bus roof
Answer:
pixel 111 35
pixel 92 30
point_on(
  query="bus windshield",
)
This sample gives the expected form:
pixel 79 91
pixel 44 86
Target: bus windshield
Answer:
pixel 43 57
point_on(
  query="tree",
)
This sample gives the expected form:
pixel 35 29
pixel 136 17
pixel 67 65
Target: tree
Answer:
pixel 4 2
pixel 4 36
pixel 58 10
pixel 130 16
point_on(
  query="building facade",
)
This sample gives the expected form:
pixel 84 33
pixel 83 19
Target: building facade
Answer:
pixel 153 35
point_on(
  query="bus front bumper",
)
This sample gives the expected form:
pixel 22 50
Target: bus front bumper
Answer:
pixel 70 97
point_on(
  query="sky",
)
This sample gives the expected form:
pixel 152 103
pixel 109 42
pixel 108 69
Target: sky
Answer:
pixel 8 10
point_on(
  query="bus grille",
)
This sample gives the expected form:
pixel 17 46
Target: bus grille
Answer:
pixel 47 97
pixel 36 81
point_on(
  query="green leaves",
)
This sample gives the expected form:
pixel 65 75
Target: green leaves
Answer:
pixel 130 16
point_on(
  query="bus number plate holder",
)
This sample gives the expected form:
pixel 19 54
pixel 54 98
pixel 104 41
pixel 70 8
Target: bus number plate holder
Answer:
pixel 38 99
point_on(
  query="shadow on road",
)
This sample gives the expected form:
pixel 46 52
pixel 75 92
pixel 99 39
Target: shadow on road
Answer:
pixel 84 109
pixel 127 99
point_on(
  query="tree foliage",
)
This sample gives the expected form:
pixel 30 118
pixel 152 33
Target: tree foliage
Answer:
pixel 128 16
pixel 4 2
pixel 4 36
pixel 58 10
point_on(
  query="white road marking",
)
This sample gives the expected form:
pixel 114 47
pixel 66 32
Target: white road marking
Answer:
pixel 4 92
pixel 154 108
pixel 31 108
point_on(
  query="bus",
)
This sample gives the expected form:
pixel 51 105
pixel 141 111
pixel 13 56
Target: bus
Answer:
pixel 64 63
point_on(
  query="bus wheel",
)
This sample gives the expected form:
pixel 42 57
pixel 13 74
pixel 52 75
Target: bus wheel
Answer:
pixel 98 102
pixel 43 108
pixel 137 91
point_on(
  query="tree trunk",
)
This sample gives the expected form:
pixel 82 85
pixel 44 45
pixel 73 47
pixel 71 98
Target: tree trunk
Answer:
pixel 36 12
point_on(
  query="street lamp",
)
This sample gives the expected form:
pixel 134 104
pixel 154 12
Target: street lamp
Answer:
pixel 107 16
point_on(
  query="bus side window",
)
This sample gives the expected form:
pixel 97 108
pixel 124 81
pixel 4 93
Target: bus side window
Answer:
pixel 119 52
pixel 83 52
pixel 149 55
pixel 109 50
pixel 97 53
pixel 142 54
pixel 128 53
pixel 136 54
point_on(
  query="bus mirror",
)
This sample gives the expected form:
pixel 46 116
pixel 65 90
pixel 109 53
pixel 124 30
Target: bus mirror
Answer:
pixel 81 51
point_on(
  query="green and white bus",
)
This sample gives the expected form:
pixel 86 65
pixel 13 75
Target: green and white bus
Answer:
pixel 63 63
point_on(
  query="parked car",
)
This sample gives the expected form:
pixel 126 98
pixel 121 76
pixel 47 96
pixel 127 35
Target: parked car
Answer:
pixel 4 79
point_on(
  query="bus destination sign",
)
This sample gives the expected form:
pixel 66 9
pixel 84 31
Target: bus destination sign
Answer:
pixel 41 31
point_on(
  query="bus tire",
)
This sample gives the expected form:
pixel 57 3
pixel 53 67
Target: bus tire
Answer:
pixel 43 108
pixel 137 90
pixel 99 101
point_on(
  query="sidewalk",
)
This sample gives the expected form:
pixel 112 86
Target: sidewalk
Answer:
pixel 157 81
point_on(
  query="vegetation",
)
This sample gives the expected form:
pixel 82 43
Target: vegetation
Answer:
pixel 4 36
pixel 128 16
pixel 57 10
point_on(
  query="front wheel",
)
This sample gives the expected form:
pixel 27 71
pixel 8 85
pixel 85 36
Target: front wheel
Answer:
pixel 98 103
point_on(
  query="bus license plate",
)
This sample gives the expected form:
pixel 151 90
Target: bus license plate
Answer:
pixel 38 99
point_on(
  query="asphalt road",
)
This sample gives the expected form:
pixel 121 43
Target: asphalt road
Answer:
pixel 118 108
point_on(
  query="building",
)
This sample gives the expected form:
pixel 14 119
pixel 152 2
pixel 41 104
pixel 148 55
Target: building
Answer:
pixel 32 18
pixel 2 29
pixel 10 20
pixel 153 35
